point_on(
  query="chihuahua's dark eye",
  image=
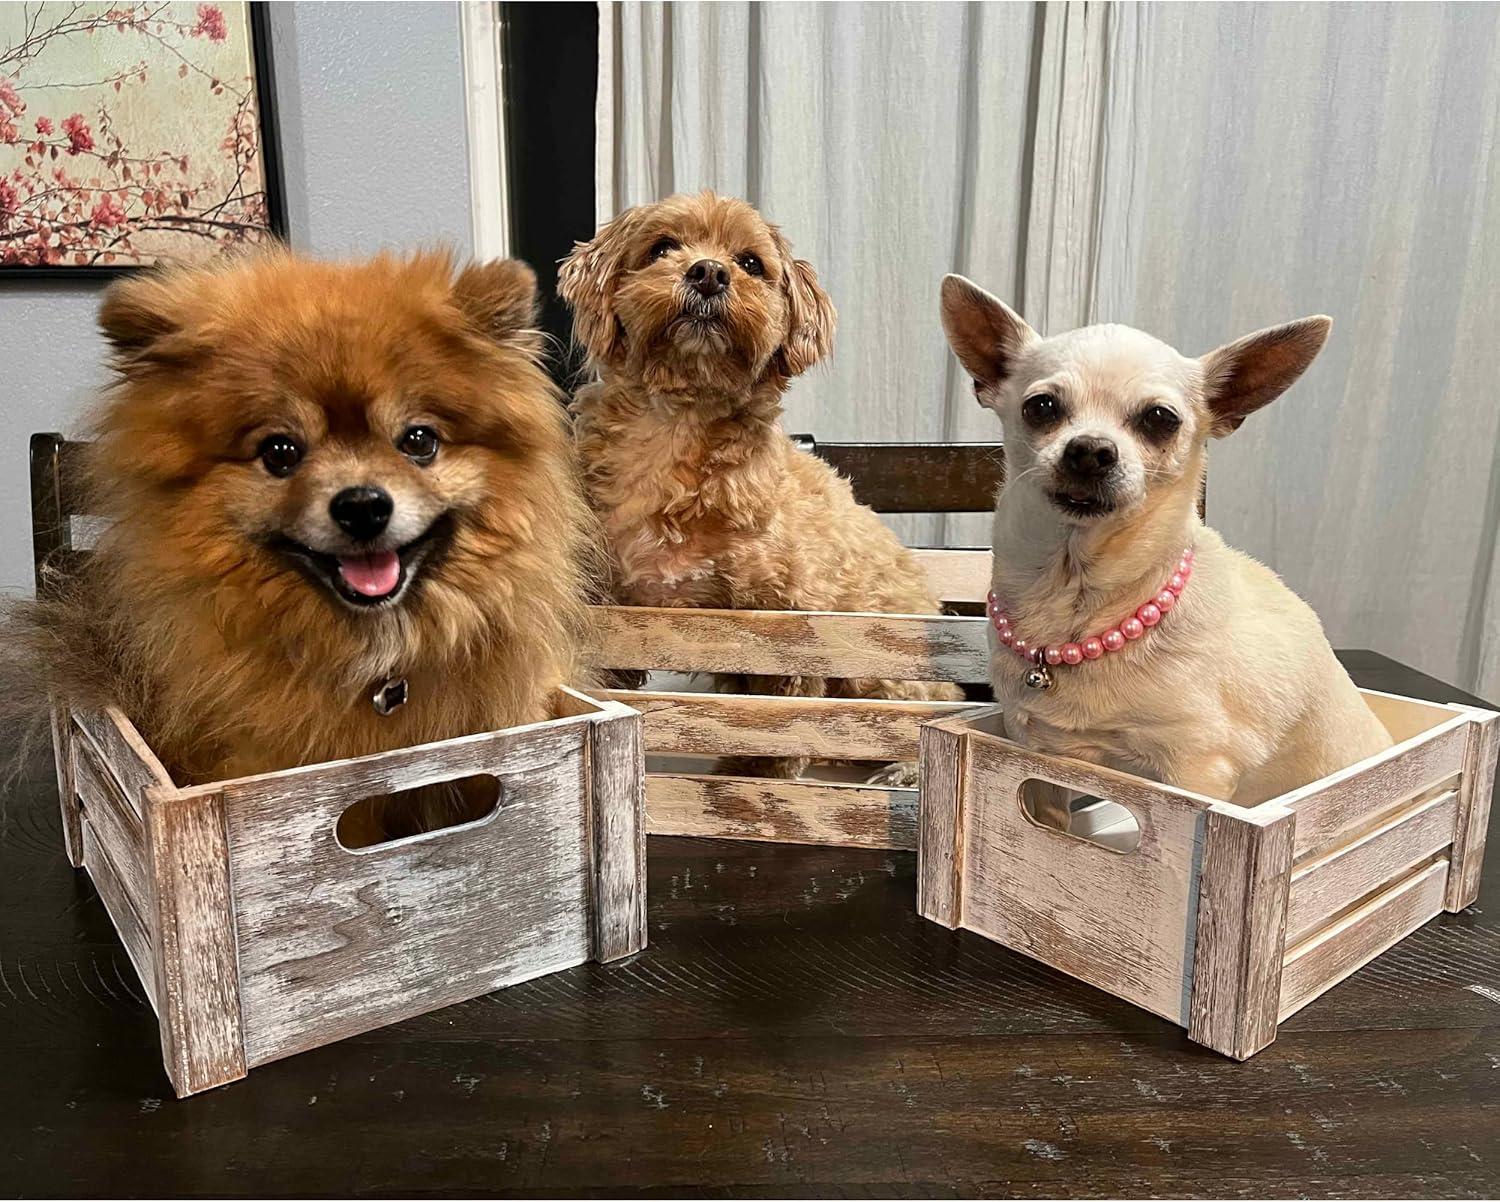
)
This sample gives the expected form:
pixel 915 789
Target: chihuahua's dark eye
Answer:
pixel 1041 410
pixel 662 246
pixel 751 264
pixel 1158 423
pixel 419 444
pixel 280 453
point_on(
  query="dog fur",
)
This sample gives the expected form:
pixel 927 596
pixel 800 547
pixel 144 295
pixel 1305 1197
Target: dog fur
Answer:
pixel 705 500
pixel 227 645
pixel 1236 694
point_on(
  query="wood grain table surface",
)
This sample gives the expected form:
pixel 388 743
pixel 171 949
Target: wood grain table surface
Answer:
pixel 794 1030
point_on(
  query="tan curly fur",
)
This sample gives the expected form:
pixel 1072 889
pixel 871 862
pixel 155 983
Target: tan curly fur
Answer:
pixel 705 500
pixel 231 657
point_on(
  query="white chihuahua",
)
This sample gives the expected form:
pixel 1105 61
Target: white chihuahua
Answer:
pixel 1124 631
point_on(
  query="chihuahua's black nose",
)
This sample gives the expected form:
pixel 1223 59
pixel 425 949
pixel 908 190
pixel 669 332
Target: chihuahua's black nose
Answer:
pixel 708 276
pixel 362 512
pixel 1088 457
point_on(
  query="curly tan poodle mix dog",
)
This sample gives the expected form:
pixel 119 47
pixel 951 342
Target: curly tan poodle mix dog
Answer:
pixel 696 317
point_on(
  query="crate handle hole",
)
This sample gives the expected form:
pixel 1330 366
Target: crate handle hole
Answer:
pixel 407 814
pixel 1096 820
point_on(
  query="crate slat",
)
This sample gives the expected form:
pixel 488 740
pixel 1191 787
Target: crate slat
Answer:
pixel 1323 886
pixel 196 961
pixel 1320 962
pixel 780 811
pixel 787 643
pixel 116 827
pixel 128 921
pixel 1475 797
pixel 715 724
pixel 124 754
pixel 940 826
pixel 616 784
pixel 1329 810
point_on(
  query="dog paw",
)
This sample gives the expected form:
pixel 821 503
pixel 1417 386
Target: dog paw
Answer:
pixel 894 776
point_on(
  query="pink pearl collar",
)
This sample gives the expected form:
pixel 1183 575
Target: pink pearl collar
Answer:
pixel 1096 646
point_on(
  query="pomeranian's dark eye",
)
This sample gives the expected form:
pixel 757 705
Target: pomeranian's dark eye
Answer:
pixel 662 246
pixel 1158 423
pixel 1041 410
pixel 751 264
pixel 280 453
pixel 418 443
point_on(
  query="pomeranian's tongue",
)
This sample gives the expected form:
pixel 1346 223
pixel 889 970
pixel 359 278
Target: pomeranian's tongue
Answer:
pixel 371 575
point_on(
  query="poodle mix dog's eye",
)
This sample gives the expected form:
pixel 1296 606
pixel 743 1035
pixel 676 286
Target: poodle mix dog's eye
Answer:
pixel 280 453
pixel 662 246
pixel 419 444
pixel 751 264
pixel 1158 423
pixel 1041 410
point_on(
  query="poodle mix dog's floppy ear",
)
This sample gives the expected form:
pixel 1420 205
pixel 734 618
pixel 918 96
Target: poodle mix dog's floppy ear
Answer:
pixel 984 332
pixel 811 317
pixel 1253 371
pixel 499 299
pixel 587 281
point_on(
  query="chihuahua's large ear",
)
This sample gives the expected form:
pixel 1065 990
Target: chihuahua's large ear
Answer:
pixel 1254 370
pixel 587 279
pixel 499 299
pixel 811 317
pixel 984 332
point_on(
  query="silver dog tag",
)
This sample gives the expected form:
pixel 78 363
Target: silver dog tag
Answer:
pixel 1039 677
pixel 391 695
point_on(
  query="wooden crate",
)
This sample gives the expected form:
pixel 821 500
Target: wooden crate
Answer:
pixel 1222 919
pixel 256 934
pixel 890 478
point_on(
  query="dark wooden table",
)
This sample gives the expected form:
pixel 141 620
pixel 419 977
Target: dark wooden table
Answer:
pixel 794 1029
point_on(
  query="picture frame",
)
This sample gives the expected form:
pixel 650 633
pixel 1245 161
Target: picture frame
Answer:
pixel 271 194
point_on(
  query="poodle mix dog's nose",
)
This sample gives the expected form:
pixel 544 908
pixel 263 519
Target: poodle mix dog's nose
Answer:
pixel 1088 457
pixel 708 277
pixel 362 512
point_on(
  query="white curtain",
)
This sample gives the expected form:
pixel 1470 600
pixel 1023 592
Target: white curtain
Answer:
pixel 1196 170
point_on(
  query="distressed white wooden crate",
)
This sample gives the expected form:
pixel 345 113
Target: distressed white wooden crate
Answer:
pixel 256 934
pixel 699 726
pixel 1223 919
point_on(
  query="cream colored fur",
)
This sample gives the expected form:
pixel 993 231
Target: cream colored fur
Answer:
pixel 1236 694
pixel 705 500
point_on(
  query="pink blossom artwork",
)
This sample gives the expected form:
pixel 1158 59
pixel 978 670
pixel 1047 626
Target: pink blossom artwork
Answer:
pixel 130 134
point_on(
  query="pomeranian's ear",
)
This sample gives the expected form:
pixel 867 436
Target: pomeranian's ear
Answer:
pixel 1253 371
pixel 587 280
pixel 499 299
pixel 984 332
pixel 139 316
pixel 811 317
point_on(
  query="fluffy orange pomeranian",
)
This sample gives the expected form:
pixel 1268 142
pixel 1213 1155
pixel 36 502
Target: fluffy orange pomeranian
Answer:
pixel 342 516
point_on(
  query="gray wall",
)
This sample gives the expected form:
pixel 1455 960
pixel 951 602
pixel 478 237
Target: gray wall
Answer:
pixel 371 120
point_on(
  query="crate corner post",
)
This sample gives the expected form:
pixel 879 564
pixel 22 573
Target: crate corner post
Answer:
pixel 617 804
pixel 197 958
pixel 940 822
pixel 1476 788
pixel 67 787
pixel 1244 882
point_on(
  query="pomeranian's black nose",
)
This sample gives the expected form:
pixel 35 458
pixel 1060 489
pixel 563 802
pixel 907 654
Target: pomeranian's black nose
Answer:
pixel 362 512
pixel 1088 456
pixel 708 276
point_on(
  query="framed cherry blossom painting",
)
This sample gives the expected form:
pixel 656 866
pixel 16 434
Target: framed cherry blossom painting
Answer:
pixel 133 134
